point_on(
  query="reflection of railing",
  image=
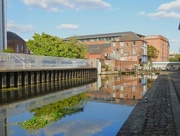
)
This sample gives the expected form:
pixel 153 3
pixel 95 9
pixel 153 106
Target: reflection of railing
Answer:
pixel 8 97
pixel 25 61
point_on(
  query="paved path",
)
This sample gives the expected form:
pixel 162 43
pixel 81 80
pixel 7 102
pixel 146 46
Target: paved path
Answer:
pixel 158 112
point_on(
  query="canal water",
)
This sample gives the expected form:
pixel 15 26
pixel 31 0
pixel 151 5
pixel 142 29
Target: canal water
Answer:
pixel 71 108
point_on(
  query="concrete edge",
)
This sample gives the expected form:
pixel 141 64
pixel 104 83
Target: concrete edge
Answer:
pixel 175 105
pixel 134 123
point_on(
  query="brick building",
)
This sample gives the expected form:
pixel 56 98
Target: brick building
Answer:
pixel 128 47
pixel 160 43
pixel 16 43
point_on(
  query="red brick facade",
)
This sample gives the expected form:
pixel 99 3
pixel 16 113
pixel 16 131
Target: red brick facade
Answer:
pixel 160 43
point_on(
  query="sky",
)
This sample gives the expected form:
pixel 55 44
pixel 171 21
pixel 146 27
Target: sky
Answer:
pixel 65 18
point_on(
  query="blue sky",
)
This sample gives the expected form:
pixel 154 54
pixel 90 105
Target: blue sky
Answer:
pixel 64 18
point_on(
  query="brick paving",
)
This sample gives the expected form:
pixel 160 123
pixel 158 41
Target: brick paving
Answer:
pixel 157 113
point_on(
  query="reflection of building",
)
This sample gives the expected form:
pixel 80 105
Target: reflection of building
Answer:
pixel 3 35
pixel 160 43
pixel 117 88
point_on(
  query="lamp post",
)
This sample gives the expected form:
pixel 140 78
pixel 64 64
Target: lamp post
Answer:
pixel 3 32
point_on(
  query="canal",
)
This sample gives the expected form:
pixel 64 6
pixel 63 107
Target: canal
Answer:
pixel 80 107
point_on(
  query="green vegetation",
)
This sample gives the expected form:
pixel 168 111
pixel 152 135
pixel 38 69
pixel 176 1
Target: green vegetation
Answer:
pixel 54 112
pixel 152 52
pixel 48 45
pixel 8 50
pixel 104 66
pixel 175 59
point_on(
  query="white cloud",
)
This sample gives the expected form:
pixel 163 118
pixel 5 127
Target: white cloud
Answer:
pixel 19 28
pixel 175 40
pixel 59 5
pixel 67 26
pixel 175 5
pixel 164 14
pixel 166 10
pixel 70 128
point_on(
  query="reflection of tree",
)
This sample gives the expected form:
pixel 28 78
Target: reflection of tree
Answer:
pixel 55 111
pixel 150 82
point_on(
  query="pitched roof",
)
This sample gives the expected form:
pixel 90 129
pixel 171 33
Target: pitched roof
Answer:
pixel 117 34
pixel 98 48
pixel 130 37
pixel 14 36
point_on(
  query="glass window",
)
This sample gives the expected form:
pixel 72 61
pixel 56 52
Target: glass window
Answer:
pixel 114 44
pixel 134 43
pixel 121 44
pixel 17 48
pixel 126 44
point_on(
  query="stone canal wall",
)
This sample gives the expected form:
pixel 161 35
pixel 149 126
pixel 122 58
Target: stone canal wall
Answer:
pixel 157 113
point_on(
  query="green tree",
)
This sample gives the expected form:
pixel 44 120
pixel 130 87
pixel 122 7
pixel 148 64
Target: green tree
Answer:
pixel 175 59
pixel 152 52
pixel 48 45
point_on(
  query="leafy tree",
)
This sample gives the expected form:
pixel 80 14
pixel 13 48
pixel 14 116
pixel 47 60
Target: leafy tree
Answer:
pixel 152 52
pixel 48 45
pixel 175 59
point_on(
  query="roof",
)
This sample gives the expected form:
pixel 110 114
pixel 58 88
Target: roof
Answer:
pixel 98 48
pixel 130 37
pixel 14 36
pixel 117 34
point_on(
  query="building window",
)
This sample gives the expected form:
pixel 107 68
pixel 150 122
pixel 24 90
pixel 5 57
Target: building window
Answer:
pixel 114 52
pixel 121 51
pixel 101 39
pixel 126 44
pixel 108 39
pixel 134 43
pixel 27 51
pixel 121 44
pixel 133 51
pixel 114 44
pixel 22 48
pixel 17 48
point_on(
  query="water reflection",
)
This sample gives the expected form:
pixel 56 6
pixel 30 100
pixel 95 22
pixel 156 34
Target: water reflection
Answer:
pixel 49 109
pixel 33 91
pixel 119 88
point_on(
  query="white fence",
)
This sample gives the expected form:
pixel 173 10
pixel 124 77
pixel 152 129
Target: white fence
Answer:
pixel 24 61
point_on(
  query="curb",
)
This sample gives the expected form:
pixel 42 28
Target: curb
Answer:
pixel 175 105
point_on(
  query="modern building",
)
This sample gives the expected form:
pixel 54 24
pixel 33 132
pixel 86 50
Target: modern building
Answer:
pixel 16 43
pixel 3 34
pixel 160 43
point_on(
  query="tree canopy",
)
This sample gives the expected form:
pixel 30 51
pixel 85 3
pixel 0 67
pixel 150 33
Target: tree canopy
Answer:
pixel 48 45
pixel 152 52
pixel 176 58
